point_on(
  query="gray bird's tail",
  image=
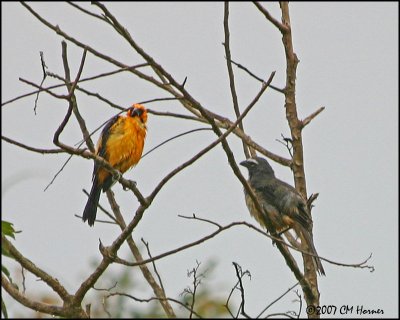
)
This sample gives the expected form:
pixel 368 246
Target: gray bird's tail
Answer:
pixel 310 244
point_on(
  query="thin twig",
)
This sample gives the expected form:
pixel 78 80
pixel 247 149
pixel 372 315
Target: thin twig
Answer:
pixel 308 119
pixel 71 88
pixel 58 172
pixel 201 219
pixel 123 294
pixel 174 115
pixel 127 68
pixel 23 280
pixel 174 137
pixel 278 298
pixel 72 107
pixel 106 289
pixel 288 144
pixel 240 66
pixel 58 96
pixel 24 146
pixel 87 11
pixel 240 274
pixel 154 265
pixel 196 282
pixel 231 74
pixel 300 304
pixel 44 67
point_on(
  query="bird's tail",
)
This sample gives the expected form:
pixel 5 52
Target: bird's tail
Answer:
pixel 91 206
pixel 310 244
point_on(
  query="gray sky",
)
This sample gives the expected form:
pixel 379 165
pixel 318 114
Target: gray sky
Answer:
pixel 348 63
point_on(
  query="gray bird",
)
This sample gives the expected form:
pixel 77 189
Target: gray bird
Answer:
pixel 283 204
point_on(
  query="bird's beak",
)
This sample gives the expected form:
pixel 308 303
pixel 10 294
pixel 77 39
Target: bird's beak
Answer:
pixel 244 163
pixel 138 112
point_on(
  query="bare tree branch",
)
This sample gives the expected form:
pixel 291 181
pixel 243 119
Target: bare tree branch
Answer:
pixel 28 302
pixel 308 119
pixel 281 26
pixel 156 75
pixel 31 267
pixel 158 289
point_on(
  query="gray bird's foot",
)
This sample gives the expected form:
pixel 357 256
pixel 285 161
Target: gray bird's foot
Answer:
pixel 117 175
pixel 126 189
pixel 283 231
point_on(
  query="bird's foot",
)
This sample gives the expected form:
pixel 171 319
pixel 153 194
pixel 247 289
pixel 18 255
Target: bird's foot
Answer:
pixel 116 175
pixel 283 231
pixel 126 188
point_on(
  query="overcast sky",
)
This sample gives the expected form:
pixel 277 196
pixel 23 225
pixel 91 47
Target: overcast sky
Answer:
pixel 348 56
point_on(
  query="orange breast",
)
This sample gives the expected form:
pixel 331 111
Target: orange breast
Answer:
pixel 124 145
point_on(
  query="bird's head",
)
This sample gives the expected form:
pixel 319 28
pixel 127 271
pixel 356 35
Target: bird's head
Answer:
pixel 257 166
pixel 137 110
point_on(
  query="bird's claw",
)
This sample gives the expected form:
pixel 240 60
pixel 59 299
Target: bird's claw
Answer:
pixel 126 188
pixel 117 175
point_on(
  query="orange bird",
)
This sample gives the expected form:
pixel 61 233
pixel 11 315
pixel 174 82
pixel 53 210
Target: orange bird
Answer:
pixel 121 143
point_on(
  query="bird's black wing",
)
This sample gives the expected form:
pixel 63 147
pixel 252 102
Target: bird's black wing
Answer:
pixel 101 145
pixel 287 200
pixel 293 204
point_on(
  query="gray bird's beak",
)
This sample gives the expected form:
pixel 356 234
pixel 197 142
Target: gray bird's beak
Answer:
pixel 249 162
pixel 244 163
